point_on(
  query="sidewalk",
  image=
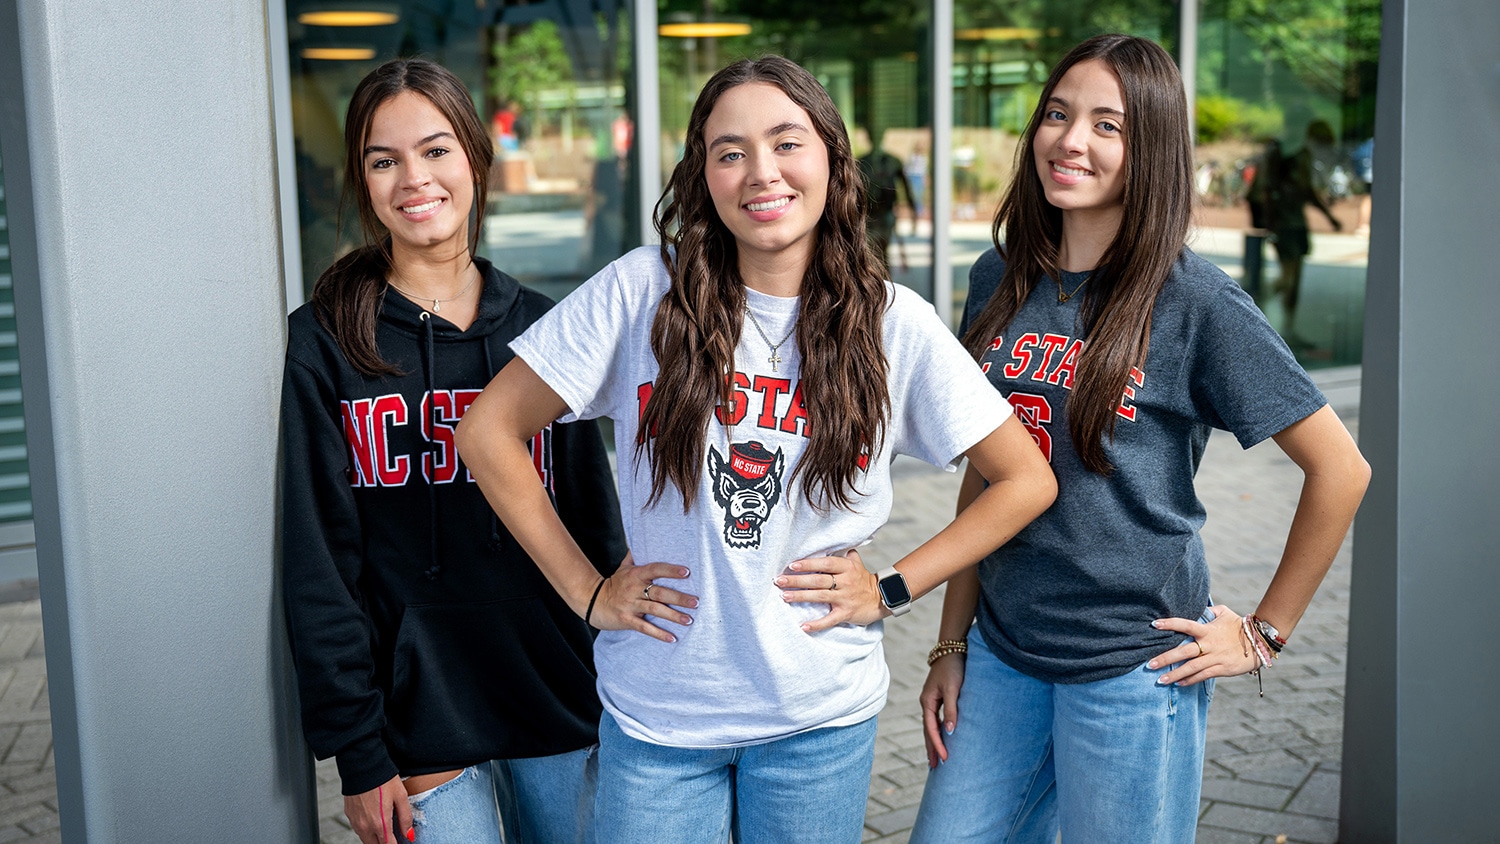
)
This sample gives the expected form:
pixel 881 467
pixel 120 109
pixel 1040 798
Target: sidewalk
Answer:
pixel 1272 764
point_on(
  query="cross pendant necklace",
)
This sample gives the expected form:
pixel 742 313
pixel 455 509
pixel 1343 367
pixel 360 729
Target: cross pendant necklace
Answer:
pixel 775 358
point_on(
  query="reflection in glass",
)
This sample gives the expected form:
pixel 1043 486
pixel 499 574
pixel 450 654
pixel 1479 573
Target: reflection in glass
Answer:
pixel 1295 79
pixel 15 472
pixel 875 61
pixel 553 79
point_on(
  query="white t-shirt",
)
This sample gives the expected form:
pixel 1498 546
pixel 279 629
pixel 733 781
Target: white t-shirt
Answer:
pixel 744 672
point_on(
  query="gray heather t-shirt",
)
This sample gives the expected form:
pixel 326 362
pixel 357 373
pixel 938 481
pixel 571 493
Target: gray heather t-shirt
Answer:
pixel 1071 598
pixel 744 671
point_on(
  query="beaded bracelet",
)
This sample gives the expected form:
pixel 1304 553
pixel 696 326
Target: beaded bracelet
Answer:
pixel 590 611
pixel 1269 634
pixel 945 647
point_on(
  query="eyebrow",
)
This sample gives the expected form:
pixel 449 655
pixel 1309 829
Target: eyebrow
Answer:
pixel 425 141
pixel 779 128
pixel 1114 112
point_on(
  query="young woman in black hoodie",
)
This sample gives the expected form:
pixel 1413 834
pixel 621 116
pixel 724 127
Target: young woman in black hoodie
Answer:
pixel 434 661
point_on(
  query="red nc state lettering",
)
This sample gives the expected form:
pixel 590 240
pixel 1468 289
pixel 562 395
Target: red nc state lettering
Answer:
pixel 770 390
pixel 441 411
pixel 1052 343
pixel 1021 355
pixel 1127 410
pixel 994 346
pixel 1069 366
pixel 739 402
pixel 366 430
pixel 1035 413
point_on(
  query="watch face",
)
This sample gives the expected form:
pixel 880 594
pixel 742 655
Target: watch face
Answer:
pixel 893 591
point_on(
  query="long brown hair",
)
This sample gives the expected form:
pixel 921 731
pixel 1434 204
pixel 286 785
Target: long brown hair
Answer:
pixel 697 326
pixel 348 294
pixel 1158 200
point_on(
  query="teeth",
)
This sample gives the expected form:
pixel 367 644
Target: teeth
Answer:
pixel 767 206
pixel 1069 171
pixel 426 206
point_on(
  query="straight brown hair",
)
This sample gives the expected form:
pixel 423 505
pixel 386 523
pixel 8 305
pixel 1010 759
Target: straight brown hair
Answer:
pixel 1158 199
pixel 697 325
pixel 348 294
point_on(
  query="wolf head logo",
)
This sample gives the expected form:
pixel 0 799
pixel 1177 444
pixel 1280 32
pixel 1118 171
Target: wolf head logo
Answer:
pixel 747 486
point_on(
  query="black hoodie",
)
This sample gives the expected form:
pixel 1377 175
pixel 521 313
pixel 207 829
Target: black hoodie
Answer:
pixel 425 639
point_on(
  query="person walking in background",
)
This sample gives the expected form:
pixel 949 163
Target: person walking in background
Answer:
pixel 761 374
pixel 883 174
pixel 433 660
pixel 1284 186
pixel 1070 686
pixel 916 178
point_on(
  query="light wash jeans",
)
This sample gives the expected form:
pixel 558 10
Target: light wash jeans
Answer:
pixel 809 788
pixel 545 800
pixel 1117 760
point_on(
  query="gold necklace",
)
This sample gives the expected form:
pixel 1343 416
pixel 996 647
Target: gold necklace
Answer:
pixel 1064 297
pixel 437 304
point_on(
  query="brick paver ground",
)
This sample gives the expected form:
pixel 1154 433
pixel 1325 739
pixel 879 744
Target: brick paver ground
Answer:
pixel 1272 764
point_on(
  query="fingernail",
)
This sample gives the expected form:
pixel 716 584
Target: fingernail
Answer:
pixel 411 834
pixel 949 727
pixel 806 629
pixel 1156 624
pixel 693 603
pixel 685 572
pixel 786 596
pixel 672 639
pixel 795 567
pixel 686 620
pixel 780 581
pixel 1163 681
pixel 1151 664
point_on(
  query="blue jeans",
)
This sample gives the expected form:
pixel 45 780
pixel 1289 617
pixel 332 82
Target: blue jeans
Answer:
pixel 545 800
pixel 810 787
pixel 1118 760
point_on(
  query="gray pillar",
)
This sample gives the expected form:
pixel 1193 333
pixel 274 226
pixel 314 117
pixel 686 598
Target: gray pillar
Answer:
pixel 1421 742
pixel 140 168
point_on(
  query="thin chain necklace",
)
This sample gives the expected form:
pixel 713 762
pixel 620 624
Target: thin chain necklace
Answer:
pixel 775 358
pixel 437 304
pixel 1064 297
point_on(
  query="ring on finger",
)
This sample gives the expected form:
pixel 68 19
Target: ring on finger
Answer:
pixel 835 586
pixel 647 591
pixel 1200 647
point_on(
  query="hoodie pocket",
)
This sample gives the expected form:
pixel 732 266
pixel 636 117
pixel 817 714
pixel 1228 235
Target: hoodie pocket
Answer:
pixel 489 680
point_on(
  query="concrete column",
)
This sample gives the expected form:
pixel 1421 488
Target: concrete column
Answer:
pixel 140 169
pixel 1421 742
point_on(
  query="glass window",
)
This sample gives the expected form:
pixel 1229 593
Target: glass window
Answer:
pixel 552 80
pixel 1285 96
pixel 15 474
pixel 1286 117
pixel 874 59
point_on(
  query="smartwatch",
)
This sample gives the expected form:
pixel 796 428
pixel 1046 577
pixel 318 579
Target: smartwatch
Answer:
pixel 894 592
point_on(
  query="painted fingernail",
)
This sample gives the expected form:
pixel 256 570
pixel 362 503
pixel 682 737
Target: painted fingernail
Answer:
pixel 686 620
pixel 672 640
pixel 1156 624
pixel 780 581
pixel 786 596
pixel 949 727
pixel 795 567
pixel 1151 664
pixel 806 628
pixel 692 603
pixel 411 834
pixel 685 572
pixel 1163 681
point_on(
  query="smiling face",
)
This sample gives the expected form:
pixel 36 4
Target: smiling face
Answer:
pixel 1079 144
pixel 419 180
pixel 767 171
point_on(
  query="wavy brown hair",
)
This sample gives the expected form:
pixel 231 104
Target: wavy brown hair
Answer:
pixel 348 294
pixel 1158 200
pixel 697 327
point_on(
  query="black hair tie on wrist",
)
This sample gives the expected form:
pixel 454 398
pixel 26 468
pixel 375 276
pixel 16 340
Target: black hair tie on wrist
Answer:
pixel 590 611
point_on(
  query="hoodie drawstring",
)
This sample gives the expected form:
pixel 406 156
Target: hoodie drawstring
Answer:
pixel 489 367
pixel 435 569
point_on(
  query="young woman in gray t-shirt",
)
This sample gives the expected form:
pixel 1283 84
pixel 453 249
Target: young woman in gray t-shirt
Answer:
pixel 1070 687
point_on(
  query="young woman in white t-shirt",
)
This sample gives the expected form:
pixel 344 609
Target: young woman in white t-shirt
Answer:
pixel 761 374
